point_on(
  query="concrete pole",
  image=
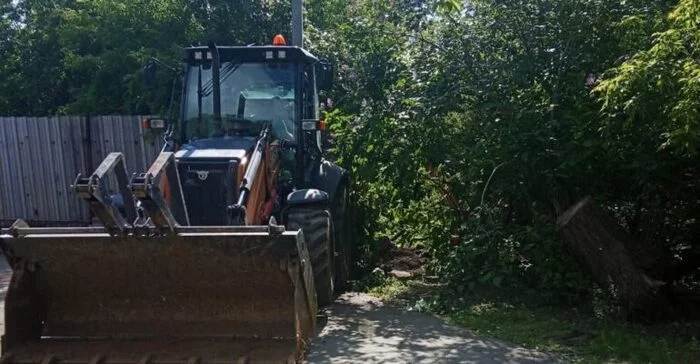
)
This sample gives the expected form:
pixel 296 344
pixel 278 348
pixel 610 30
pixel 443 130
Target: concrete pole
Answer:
pixel 297 23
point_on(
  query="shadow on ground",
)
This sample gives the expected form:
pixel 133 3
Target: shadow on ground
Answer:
pixel 359 328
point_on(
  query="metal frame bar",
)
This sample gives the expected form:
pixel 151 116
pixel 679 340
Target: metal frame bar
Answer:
pixel 22 230
pixel 237 212
pixel 55 360
pixel 91 190
pixel 145 187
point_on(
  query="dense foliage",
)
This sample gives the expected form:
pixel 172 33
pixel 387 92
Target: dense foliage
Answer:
pixel 468 126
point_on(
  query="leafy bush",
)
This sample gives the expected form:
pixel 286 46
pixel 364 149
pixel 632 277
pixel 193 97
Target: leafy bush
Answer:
pixel 487 129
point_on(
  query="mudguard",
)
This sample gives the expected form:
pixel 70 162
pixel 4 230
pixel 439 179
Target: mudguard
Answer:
pixel 328 177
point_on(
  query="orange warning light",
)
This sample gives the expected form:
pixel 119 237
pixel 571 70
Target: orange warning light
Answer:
pixel 279 40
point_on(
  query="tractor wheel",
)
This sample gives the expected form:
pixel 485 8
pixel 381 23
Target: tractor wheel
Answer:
pixel 315 223
pixel 341 231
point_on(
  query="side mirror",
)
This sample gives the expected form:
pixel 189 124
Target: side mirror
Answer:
pixel 324 75
pixel 150 71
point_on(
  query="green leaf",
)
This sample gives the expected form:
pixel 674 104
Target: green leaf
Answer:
pixel 449 6
pixel 497 281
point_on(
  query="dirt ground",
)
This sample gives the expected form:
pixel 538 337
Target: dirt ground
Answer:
pixel 359 328
pixel 410 260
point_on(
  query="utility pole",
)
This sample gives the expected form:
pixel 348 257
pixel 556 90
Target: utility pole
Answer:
pixel 297 23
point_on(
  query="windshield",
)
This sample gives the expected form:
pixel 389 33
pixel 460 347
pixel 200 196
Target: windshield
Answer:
pixel 250 93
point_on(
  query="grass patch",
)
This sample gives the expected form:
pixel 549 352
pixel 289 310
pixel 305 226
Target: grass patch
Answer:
pixel 392 289
pixel 580 339
pixel 566 332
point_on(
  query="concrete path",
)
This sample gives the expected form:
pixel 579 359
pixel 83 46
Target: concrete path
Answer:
pixel 363 329
pixel 360 329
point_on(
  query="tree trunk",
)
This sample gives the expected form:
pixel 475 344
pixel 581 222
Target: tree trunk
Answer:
pixel 600 244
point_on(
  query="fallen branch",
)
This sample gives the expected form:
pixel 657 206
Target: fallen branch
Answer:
pixel 600 243
pixel 488 182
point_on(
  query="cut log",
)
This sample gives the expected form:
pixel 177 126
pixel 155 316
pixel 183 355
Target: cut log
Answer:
pixel 600 243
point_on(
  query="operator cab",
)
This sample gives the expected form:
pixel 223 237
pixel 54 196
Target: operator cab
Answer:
pixel 230 96
pixel 275 84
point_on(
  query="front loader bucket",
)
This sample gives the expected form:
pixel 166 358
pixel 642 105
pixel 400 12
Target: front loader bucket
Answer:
pixel 201 295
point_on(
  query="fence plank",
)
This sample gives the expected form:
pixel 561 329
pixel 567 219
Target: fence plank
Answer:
pixel 6 198
pixel 13 188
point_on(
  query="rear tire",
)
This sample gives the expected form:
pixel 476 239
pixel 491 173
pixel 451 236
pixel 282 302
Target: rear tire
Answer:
pixel 315 223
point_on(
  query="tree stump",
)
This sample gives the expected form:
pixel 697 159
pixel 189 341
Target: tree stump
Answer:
pixel 600 243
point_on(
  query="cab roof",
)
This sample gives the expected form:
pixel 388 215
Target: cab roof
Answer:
pixel 250 54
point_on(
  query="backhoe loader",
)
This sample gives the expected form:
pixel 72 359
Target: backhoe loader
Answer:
pixel 220 253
